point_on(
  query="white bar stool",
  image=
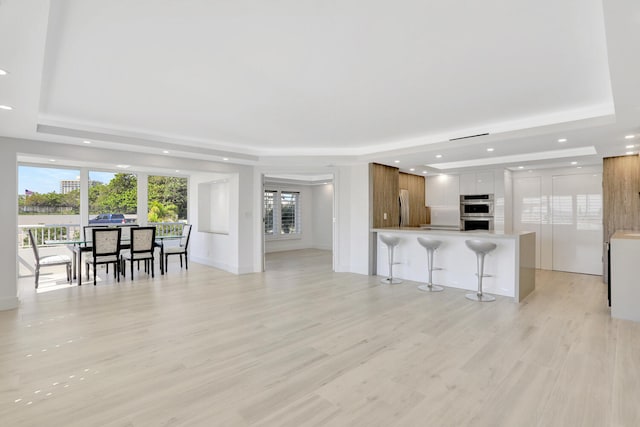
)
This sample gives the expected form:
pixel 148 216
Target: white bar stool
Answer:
pixel 391 242
pixel 481 248
pixel 430 245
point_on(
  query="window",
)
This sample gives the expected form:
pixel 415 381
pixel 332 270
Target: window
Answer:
pixel 269 197
pixel 48 202
pixel 289 215
pixel 113 193
pixel 167 201
pixel 281 213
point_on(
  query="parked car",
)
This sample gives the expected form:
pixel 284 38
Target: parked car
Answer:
pixel 109 219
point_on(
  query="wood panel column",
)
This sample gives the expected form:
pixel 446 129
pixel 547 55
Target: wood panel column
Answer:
pixel 621 198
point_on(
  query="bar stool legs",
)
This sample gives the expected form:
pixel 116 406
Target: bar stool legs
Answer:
pixel 481 248
pixel 391 242
pixel 431 246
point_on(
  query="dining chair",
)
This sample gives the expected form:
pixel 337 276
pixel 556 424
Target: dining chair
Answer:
pixel 87 232
pixel 142 249
pixel 105 249
pixel 48 261
pixel 179 250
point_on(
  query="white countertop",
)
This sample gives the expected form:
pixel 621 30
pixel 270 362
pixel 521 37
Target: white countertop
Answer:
pixel 445 232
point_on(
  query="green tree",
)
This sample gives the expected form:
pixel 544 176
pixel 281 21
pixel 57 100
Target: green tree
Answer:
pixel 50 202
pixel 120 195
pixel 162 213
pixel 171 192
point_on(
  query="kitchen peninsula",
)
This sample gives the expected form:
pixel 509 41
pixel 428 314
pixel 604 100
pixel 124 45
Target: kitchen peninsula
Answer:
pixel 511 265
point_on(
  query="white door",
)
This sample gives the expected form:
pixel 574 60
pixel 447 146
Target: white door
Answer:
pixel 529 209
pixel 576 215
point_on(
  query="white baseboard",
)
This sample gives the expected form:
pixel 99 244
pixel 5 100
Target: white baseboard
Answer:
pixel 219 265
pixel 9 303
pixel 323 247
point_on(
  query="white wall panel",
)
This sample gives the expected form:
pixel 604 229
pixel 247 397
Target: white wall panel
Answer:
pixel 323 216
pixel 532 211
pixel 528 209
pixel 577 223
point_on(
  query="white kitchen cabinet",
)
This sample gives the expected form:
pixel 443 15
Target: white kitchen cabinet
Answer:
pixel 477 183
pixel 485 183
pixel 468 183
pixel 625 292
pixel 443 190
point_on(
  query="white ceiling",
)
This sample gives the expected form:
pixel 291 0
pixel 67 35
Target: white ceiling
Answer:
pixel 354 80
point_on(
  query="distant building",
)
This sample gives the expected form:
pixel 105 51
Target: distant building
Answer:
pixel 68 185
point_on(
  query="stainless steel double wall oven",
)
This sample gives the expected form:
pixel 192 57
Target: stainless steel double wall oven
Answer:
pixel 476 212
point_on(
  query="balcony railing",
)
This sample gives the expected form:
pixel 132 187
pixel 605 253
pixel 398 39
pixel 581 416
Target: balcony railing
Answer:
pixel 45 232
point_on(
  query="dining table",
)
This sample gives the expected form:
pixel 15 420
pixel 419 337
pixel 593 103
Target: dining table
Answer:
pixel 80 246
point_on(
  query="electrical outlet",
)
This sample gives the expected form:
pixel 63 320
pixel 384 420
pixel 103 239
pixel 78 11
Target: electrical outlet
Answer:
pixel 384 216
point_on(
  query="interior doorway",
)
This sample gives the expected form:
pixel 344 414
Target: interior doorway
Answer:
pixel 298 221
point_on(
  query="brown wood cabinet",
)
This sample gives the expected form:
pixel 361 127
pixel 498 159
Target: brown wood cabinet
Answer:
pixel 621 197
pixel 385 183
pixel 384 190
pixel 415 184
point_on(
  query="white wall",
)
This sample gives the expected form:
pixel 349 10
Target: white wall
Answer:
pixel 249 222
pixel 8 225
pixel 352 235
pixel 214 249
pixel 323 216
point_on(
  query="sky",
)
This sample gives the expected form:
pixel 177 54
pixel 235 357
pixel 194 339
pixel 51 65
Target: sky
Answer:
pixel 46 180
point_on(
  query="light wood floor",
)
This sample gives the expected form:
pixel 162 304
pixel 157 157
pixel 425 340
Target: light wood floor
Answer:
pixel 308 347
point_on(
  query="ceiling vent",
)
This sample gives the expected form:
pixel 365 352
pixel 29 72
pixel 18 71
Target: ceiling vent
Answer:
pixel 469 136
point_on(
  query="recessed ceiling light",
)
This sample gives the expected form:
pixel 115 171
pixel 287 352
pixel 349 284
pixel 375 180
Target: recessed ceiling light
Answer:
pixel 87 142
pixel 629 136
pixel 629 153
pixel 520 167
pixel 52 160
pixel 424 172
pixel 396 161
pixel 574 163
pixel 578 167
pixel 177 170
pixel 123 166
pixel 517 158
pixel 5 107
pixel 490 149
pixel 630 146
pixel 561 140
pixel 438 156
pixel 165 151
pixel 412 169
pixel 225 158
pixel 3 72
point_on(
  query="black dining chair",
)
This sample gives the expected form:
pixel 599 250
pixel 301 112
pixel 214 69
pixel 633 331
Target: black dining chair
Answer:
pixel 48 261
pixel 105 249
pixel 179 250
pixel 142 248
